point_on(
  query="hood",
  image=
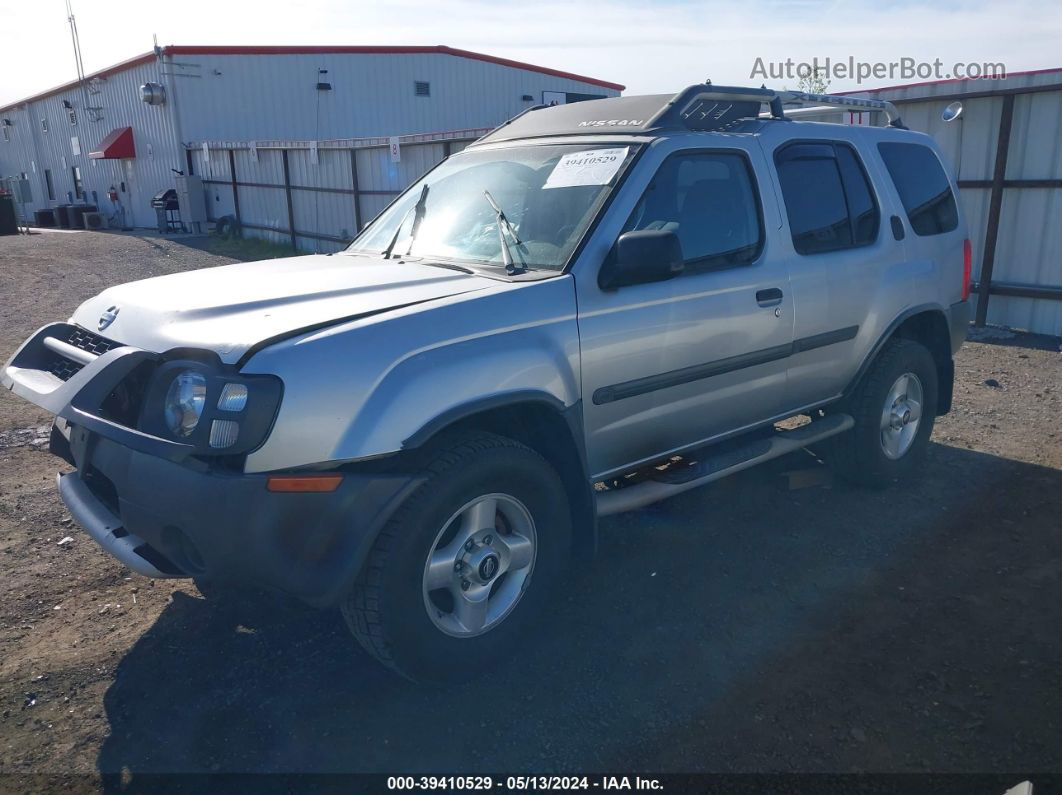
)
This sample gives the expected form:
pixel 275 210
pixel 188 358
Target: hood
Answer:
pixel 231 308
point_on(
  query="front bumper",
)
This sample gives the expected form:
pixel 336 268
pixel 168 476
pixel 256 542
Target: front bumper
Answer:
pixel 165 512
pixel 165 519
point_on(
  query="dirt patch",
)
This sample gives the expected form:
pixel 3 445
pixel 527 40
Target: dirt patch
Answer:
pixel 748 626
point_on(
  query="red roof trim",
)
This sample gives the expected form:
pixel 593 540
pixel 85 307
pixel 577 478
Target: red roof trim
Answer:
pixel 439 49
pixel 952 80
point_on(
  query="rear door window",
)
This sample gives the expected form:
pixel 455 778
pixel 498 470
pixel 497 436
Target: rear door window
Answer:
pixel 827 196
pixel 923 187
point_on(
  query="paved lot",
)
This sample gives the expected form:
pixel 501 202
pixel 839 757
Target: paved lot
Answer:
pixel 748 626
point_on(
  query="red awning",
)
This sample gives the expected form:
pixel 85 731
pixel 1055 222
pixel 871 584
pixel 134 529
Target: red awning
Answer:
pixel 116 145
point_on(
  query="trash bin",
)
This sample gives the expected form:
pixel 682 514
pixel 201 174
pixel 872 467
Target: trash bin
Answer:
pixel 8 220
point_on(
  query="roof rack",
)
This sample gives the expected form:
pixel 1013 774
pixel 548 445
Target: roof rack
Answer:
pixel 701 108
pixel 705 106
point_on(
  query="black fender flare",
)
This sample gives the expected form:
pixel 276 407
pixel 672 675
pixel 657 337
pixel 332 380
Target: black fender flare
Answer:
pixel 898 321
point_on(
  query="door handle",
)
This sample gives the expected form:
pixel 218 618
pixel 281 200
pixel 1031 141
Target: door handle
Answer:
pixel 769 297
pixel 897 227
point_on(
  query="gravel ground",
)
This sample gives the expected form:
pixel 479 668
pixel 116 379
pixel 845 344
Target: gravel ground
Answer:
pixel 756 625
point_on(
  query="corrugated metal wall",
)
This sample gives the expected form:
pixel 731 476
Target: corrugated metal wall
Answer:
pixel 326 202
pixel 1030 218
pixel 243 97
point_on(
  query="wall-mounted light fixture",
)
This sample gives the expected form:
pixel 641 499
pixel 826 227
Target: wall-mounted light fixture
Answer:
pixel 321 85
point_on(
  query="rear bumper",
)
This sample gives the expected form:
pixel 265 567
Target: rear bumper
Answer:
pixel 959 316
pixel 165 519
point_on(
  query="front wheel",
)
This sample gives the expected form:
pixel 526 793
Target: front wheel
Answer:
pixel 894 408
pixel 462 569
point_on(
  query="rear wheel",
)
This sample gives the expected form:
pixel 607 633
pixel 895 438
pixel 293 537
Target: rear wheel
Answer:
pixel 466 564
pixel 894 409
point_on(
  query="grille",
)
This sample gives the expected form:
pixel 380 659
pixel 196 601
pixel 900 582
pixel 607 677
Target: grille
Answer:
pixel 93 343
pixel 65 369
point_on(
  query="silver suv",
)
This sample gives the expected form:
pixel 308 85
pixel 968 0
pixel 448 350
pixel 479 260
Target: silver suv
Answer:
pixel 594 307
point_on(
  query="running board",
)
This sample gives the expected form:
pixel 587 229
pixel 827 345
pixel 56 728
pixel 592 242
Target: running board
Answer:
pixel 715 466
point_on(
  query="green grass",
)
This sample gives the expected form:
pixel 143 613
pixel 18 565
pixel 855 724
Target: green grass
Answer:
pixel 249 249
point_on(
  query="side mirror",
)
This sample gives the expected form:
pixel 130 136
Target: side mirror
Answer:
pixel 647 255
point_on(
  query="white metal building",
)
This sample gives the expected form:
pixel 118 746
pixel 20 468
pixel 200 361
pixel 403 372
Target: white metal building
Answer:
pixel 73 139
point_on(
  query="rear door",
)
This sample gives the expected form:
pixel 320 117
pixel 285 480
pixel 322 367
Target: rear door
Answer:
pixel 841 252
pixel 670 364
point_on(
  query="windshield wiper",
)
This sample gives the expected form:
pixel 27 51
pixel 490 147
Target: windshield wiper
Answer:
pixel 503 227
pixel 418 215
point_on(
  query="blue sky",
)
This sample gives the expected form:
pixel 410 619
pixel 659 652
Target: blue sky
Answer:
pixel 654 47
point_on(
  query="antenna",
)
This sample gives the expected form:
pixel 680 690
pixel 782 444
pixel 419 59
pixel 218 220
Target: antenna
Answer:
pixel 94 113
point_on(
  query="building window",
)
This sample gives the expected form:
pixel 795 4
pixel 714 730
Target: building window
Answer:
pixel 709 200
pixel 44 125
pixel 827 197
pixel 422 88
pixel 923 187
pixel 48 184
pixel 79 189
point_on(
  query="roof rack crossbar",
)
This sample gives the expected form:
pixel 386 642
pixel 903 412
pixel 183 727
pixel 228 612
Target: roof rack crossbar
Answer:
pixel 805 100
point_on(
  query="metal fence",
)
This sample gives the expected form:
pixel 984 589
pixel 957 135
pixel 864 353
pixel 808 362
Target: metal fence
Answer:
pixel 314 195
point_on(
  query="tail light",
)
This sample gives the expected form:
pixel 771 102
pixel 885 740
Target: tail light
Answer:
pixel 967 262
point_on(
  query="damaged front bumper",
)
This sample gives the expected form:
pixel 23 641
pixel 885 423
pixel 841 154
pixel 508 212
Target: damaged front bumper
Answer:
pixel 164 511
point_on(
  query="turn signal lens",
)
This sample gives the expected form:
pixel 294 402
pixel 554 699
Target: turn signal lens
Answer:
pixel 967 266
pixel 223 433
pixel 233 397
pixel 304 483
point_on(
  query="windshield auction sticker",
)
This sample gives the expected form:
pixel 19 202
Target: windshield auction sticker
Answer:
pixel 592 167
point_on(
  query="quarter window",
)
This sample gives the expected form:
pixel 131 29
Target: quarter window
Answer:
pixel 709 200
pixel 827 197
pixel 923 187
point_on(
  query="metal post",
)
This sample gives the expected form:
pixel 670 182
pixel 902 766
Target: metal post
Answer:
pixel 357 190
pixel 988 259
pixel 235 190
pixel 287 192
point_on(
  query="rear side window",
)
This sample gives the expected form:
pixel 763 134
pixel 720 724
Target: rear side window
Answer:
pixel 709 200
pixel 827 197
pixel 923 187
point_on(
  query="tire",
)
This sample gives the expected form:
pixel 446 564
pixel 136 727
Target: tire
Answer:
pixel 504 494
pixel 876 456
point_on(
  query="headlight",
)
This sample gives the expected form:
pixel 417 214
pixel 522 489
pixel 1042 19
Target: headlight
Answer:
pixel 184 402
pixel 209 406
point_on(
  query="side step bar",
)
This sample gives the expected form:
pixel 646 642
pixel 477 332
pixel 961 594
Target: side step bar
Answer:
pixel 716 466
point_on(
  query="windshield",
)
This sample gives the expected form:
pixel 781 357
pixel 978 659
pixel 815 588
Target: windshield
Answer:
pixel 547 197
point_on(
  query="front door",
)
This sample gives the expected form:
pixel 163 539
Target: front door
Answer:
pixel 669 364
